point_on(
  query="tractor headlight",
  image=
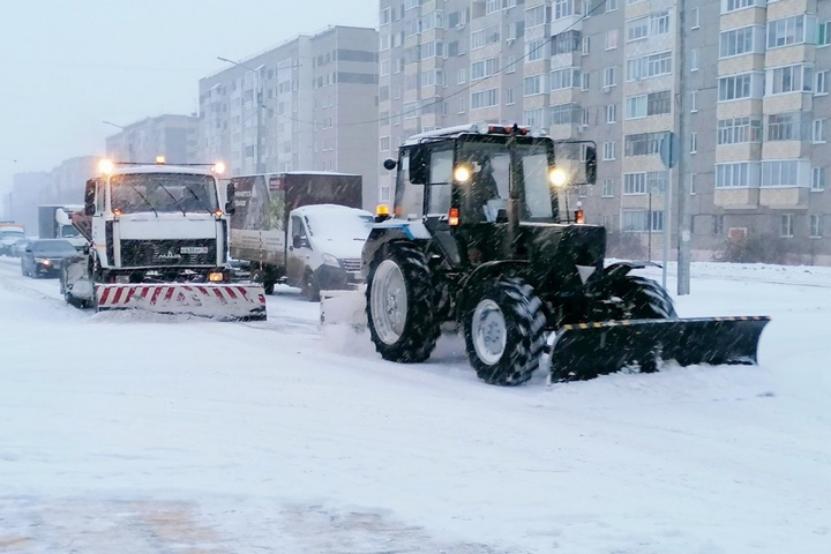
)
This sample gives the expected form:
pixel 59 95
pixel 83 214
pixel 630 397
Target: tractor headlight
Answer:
pixel 329 259
pixel 462 173
pixel 557 177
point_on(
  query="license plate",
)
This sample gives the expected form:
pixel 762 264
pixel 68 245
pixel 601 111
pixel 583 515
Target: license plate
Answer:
pixel 193 250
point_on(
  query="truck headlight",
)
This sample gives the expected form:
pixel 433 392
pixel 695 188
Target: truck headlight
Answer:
pixel 329 259
pixel 216 277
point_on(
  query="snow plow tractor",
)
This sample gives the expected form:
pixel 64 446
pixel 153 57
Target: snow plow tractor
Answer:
pixel 158 243
pixel 478 238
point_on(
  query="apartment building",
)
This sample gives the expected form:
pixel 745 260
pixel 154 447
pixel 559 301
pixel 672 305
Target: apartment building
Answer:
pixel 169 135
pixel 742 83
pixel 317 108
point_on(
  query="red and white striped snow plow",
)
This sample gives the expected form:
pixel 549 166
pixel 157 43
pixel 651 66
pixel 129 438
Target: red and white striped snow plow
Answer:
pixel 221 301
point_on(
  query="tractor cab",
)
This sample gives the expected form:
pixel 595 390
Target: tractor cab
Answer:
pixel 477 191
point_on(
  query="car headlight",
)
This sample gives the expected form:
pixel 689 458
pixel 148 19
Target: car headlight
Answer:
pixel 329 259
pixel 43 261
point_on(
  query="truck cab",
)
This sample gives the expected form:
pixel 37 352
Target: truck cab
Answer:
pixel 149 220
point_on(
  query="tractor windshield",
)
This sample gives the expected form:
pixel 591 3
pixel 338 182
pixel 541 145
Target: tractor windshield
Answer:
pixel 486 199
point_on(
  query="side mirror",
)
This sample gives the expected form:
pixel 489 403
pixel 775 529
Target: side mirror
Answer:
pixel 89 198
pixel 85 250
pixel 28 250
pixel 230 194
pixel 591 164
pixel 419 166
pixel 298 241
pixel 390 164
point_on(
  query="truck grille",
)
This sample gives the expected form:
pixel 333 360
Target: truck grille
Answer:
pixel 350 264
pixel 168 252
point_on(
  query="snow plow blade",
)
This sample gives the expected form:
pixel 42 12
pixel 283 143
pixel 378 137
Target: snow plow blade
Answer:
pixel 586 350
pixel 344 307
pixel 221 301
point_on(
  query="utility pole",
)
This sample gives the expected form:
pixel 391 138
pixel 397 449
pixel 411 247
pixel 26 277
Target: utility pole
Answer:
pixel 683 225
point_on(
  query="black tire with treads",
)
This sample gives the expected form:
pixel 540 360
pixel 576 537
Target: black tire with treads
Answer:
pixel 525 324
pixel 421 327
pixel 644 298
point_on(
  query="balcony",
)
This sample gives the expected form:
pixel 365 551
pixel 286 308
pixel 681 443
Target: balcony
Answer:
pixel 745 198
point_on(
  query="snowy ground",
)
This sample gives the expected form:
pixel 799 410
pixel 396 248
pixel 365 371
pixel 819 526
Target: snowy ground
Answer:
pixel 125 434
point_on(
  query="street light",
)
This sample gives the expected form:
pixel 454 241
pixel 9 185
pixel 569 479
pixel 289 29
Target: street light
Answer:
pixel 259 99
pixel 116 125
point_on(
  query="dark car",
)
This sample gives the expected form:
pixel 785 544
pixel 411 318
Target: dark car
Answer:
pixel 43 258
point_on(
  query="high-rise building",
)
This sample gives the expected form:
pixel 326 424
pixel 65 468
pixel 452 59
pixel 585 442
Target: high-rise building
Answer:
pixel 743 84
pixel 170 135
pixel 318 108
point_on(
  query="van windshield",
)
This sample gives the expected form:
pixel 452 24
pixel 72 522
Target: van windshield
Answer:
pixel 340 225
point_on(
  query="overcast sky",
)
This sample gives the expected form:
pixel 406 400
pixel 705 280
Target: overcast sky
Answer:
pixel 68 65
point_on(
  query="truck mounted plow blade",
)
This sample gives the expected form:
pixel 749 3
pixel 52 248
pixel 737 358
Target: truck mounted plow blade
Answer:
pixel 586 350
pixel 221 301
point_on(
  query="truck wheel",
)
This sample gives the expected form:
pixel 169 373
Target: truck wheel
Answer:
pixel 505 332
pixel 644 298
pixel 400 305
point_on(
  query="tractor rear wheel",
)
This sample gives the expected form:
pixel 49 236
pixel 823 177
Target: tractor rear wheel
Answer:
pixel 644 298
pixel 505 332
pixel 400 305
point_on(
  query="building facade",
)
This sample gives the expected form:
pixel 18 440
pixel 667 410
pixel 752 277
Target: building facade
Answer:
pixel 170 135
pixel 317 111
pixel 742 84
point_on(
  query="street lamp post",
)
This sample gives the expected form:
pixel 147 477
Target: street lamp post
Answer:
pixel 259 100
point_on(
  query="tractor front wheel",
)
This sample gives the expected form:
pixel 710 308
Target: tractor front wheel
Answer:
pixel 400 305
pixel 505 332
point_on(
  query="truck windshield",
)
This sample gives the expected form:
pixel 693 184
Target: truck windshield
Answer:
pixel 12 235
pixel 163 192
pixel 486 199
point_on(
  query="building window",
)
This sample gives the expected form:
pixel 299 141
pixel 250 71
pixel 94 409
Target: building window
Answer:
pixel 818 179
pixel 585 81
pixel 461 105
pixel 565 114
pixel 821 83
pixel 532 85
pixel 718 225
pixel 565 78
pixel 816 226
pixel 652 65
pixel 510 67
pixel 643 144
pixel 693 101
pixel 824 33
pixel 653 24
pixel 787 31
pixel 612 39
pixel 791 78
pixel 535 16
pixel 509 97
pixel 735 87
pixel 609 150
pixel 461 76
pixel 733 5
pixel 654 103
pixel 585 123
pixel 737 175
pixel 739 130
pixel 693 142
pixel 565 43
pixel 693 59
pixel 611 5
pixel 384 143
pixel 737 41
pixel 587 43
pixel 818 131
pixel 611 113
pixel 786 226
pixel 634 183
pixel 483 69
pixel 784 126
pixel 695 19
pixel 535 49
pixel 609 77
pixel 484 99
pixel 638 221
pixel 534 118
pixel 692 185
pixel 781 173
pixel 608 188
pixel 565 8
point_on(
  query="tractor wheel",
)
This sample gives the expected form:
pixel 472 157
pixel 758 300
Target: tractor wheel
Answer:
pixel 505 332
pixel 644 298
pixel 268 288
pixel 400 305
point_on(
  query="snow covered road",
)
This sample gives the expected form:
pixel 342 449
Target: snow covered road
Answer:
pixel 153 434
